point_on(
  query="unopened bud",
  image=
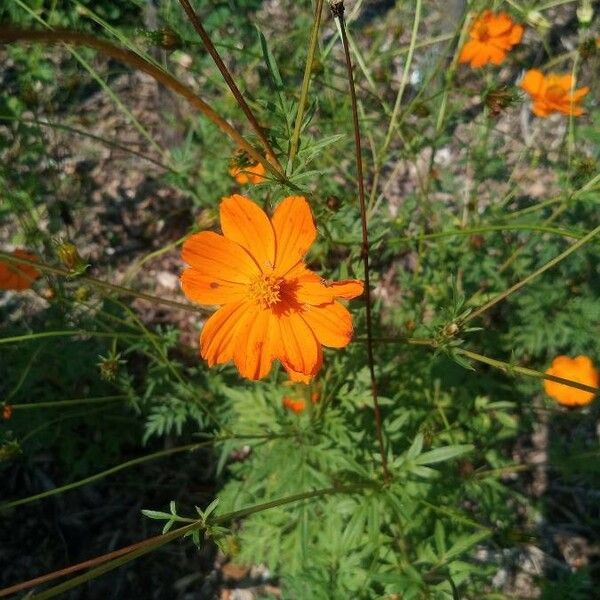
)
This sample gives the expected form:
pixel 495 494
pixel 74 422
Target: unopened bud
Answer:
pixel 585 13
pixel 69 256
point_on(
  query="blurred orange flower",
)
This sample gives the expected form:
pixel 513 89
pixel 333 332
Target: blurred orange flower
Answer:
pixel 491 37
pixel 297 405
pixel 18 276
pixel 579 369
pixel 248 174
pixel 7 412
pixel 553 93
pixel 272 306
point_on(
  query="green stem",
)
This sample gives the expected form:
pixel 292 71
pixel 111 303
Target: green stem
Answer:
pixel 126 465
pixel 509 368
pixel 488 229
pixel 67 333
pixel 67 403
pixel 101 284
pixel 551 263
pixel 314 36
pixel 120 557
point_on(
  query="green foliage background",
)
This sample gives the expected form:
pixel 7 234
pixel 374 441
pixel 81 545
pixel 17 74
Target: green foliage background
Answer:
pixel 459 503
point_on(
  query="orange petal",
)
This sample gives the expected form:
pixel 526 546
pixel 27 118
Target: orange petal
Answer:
pixel 469 50
pixel 579 94
pixel 499 24
pixel 216 256
pixel 217 339
pixel 516 34
pixel 331 324
pixel 298 377
pixel 246 223
pixel 533 82
pixel 208 289
pixel 540 109
pixel 481 58
pixel 295 343
pixel 18 276
pixel 253 352
pixel 348 288
pixel 295 232
pixel 314 290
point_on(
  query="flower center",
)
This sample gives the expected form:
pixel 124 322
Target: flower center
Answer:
pixel 483 33
pixel 266 290
pixel 555 93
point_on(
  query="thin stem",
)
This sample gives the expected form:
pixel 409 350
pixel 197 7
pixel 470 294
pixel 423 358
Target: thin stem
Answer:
pixel 97 138
pixel 531 276
pixel 504 366
pixel 509 368
pixel 68 333
pixel 338 12
pixel 5 256
pixel 197 24
pixel 115 559
pixel 488 229
pixel 314 36
pixel 67 403
pixel 10 34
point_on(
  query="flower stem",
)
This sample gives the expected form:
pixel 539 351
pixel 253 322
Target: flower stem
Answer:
pixel 337 9
pixel 197 24
pixel 113 560
pixel 314 36
pixel 5 256
pixel 517 286
pixel 11 34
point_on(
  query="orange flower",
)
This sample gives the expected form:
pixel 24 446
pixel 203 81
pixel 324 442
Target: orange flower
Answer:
pixel 18 276
pixel 297 405
pixel 248 174
pixel 273 307
pixel 578 369
pixel 553 93
pixel 7 412
pixel 491 37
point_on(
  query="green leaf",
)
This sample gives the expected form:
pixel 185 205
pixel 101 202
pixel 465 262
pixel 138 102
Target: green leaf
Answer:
pixel 442 454
pixel 270 61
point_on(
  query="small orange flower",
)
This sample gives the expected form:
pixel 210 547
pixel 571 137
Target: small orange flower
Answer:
pixel 272 306
pixel 553 93
pixel 18 276
pixel 248 174
pixel 579 369
pixel 7 412
pixel 297 405
pixel 491 37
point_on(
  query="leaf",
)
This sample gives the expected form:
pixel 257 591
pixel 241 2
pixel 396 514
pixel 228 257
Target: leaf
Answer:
pixel 270 61
pixel 415 448
pixel 442 454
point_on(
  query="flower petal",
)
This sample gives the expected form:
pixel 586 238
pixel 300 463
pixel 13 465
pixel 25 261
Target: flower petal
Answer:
pixel 295 343
pixel 469 50
pixel 330 323
pixel 499 24
pixel 253 352
pixel 246 223
pixel 298 377
pixel 315 290
pixel 295 232
pixel 209 289
pixel 532 82
pixel 217 339
pixel 216 256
